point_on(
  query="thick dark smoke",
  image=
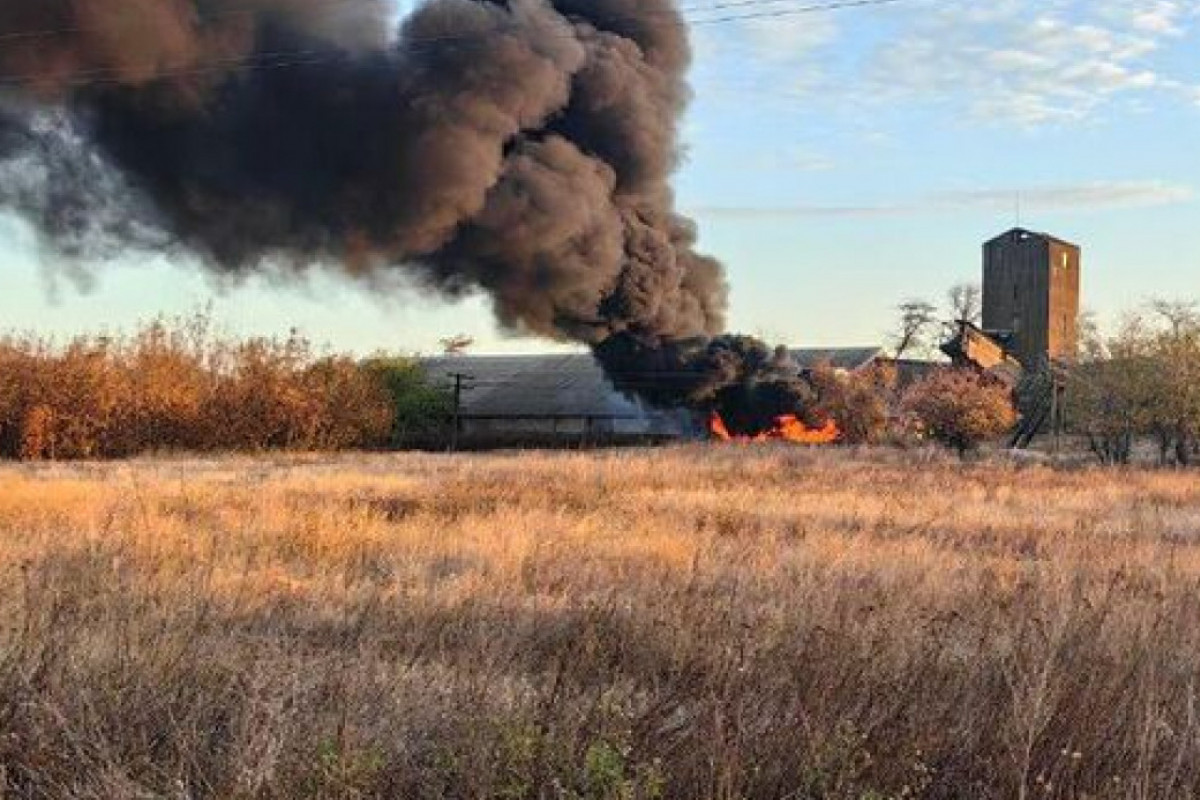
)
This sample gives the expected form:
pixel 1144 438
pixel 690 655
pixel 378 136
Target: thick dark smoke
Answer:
pixel 521 148
pixel 748 382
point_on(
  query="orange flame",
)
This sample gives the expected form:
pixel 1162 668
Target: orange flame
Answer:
pixel 788 428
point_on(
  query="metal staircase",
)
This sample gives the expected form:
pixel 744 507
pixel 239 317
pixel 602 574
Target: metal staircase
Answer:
pixel 1041 406
pixel 1035 419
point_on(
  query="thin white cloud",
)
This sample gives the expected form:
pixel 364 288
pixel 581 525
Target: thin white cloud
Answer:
pixel 1097 196
pixel 793 158
pixel 1030 63
pixel 766 213
pixel 1075 197
pixel 1024 62
pixel 1162 17
pixel 792 38
pixel 785 39
pixel 783 54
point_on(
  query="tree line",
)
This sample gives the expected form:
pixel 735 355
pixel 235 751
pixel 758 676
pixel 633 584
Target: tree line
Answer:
pixel 1140 381
pixel 178 385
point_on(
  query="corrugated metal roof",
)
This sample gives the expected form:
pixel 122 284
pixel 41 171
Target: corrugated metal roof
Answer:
pixel 909 370
pixel 847 358
pixel 573 385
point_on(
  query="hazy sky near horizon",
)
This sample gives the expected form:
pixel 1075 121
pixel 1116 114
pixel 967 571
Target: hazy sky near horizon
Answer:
pixel 837 162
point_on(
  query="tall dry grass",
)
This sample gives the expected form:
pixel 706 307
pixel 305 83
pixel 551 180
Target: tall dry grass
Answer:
pixel 685 623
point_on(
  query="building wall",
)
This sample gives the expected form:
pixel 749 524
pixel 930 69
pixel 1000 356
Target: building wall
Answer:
pixel 547 431
pixel 547 426
pixel 1065 272
pixel 1031 289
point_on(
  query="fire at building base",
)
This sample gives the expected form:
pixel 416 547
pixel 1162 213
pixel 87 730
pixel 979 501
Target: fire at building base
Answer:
pixel 788 428
pixel 567 401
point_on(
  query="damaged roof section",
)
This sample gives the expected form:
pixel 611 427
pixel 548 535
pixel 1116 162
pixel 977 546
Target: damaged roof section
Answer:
pixel 973 346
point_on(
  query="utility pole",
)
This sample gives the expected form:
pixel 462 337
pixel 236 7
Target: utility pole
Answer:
pixel 1055 410
pixel 461 383
pixel 1058 410
pixel 1062 413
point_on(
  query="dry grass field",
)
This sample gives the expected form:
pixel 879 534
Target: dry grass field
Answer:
pixel 698 622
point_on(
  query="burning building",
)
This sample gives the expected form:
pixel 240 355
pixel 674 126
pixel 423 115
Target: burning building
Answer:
pixel 567 400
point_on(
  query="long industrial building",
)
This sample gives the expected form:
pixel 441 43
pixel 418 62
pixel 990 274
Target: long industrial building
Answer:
pixel 566 399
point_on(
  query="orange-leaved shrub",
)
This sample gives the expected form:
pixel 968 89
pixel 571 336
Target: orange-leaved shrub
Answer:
pixel 859 402
pixel 177 386
pixel 960 407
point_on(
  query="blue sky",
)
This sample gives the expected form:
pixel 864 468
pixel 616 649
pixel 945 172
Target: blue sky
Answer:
pixel 837 162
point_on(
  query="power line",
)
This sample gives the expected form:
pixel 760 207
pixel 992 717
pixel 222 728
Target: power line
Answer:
pixel 728 4
pixel 260 61
pixel 226 13
pixel 284 59
pixel 790 12
pixel 337 6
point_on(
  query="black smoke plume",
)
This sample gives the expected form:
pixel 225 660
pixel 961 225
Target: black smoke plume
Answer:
pixel 520 148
